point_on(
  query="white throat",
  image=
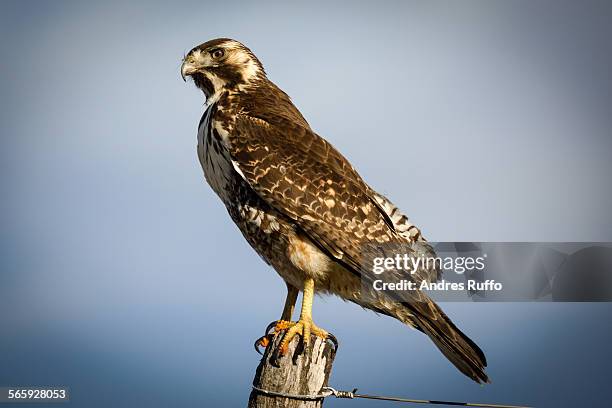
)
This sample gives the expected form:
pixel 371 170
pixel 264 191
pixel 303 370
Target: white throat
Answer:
pixel 218 86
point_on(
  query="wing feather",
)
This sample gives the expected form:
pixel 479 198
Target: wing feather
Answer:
pixel 304 177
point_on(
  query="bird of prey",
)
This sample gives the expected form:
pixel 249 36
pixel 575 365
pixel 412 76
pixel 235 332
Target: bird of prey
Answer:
pixel 300 203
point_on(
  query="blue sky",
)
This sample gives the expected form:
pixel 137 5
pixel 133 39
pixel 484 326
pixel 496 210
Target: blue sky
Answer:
pixel 121 275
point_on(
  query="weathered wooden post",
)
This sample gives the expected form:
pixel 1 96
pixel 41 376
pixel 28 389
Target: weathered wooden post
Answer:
pixel 298 374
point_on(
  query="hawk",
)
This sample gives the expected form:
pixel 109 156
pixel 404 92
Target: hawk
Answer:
pixel 300 203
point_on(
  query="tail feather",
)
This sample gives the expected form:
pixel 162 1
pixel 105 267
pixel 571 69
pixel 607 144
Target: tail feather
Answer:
pixel 452 342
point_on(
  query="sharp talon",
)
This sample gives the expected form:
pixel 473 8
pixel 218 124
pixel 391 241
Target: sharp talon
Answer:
pixel 258 350
pixel 333 340
pixel 263 341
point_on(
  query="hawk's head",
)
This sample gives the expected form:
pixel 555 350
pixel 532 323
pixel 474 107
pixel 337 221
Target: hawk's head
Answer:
pixel 221 64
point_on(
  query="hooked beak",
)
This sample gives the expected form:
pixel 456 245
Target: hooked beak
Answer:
pixel 187 69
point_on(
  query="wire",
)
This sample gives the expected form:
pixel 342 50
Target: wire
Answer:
pixel 329 391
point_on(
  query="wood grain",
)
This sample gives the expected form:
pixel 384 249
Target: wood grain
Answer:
pixel 296 373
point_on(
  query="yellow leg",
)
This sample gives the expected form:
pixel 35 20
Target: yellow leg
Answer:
pixel 285 321
pixel 292 294
pixel 305 326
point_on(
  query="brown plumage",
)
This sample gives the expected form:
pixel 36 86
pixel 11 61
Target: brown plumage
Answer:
pixel 298 201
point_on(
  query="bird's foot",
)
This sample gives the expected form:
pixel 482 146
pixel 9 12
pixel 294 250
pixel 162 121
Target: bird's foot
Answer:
pixel 304 327
pixel 272 330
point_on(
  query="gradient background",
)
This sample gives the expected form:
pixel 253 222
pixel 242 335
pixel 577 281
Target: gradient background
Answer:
pixel 121 275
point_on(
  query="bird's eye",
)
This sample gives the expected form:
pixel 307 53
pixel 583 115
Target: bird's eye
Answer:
pixel 218 53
